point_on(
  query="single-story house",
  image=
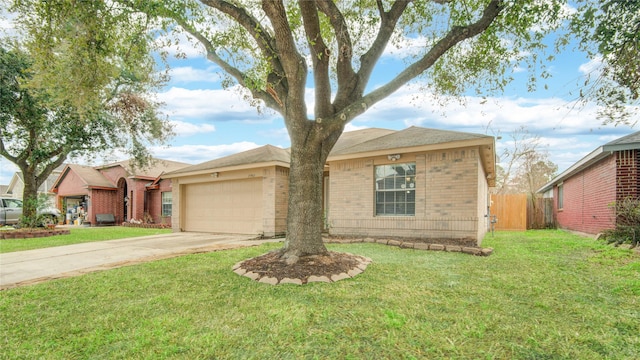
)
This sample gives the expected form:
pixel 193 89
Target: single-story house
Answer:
pixel 118 189
pixel 584 192
pixel 414 183
pixel 15 188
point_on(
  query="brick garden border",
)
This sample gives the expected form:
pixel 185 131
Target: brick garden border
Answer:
pixel 477 251
pixel 28 234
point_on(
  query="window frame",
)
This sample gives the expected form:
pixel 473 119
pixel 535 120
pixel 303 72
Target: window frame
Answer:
pixel 560 199
pixel 400 198
pixel 164 204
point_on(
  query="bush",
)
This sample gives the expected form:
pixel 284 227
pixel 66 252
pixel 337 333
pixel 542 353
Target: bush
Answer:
pixel 627 230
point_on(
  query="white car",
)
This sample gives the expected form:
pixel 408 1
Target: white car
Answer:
pixel 11 212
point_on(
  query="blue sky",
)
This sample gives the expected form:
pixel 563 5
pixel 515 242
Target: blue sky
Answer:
pixel 211 122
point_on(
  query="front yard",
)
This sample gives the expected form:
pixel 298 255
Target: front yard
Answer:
pixel 541 295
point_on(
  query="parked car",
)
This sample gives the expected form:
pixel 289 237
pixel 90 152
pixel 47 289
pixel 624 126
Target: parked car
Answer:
pixel 11 212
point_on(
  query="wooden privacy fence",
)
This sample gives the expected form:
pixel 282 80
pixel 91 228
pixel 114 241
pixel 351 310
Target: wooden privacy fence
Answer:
pixel 517 212
pixel 511 211
pixel 540 213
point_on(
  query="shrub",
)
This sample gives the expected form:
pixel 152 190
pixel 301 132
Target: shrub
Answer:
pixel 627 230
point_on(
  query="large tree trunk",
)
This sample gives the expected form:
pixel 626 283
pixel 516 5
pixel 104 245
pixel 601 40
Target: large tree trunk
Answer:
pixel 304 217
pixel 29 198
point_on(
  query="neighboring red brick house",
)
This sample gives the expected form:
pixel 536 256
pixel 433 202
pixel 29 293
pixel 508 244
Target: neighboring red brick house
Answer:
pixel 118 189
pixel 584 192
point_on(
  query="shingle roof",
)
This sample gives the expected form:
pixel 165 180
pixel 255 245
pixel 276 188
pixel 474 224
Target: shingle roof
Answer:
pixel 631 139
pixel 352 138
pixel 156 167
pixel 410 137
pixel 352 142
pixel 263 154
pixel 90 176
pixel 629 142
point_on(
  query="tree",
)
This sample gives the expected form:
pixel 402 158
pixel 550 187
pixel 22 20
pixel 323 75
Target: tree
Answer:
pixel 271 47
pixel 613 26
pixel 525 167
pixel 38 133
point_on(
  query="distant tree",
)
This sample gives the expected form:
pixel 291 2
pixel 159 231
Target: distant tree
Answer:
pixel 534 171
pixel 271 47
pixel 38 132
pixel 519 171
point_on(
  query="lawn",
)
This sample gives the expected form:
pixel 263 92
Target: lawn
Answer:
pixel 541 295
pixel 78 235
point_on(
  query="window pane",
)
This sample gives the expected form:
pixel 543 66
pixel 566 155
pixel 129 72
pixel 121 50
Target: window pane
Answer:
pixel 395 189
pixel 167 201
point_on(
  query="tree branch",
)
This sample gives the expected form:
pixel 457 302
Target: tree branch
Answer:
pixel 264 40
pixel 293 63
pixel 453 37
pixel 344 69
pixel 320 55
pixel 369 59
pixel 213 56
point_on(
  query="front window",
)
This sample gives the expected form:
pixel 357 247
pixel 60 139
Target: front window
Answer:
pixel 167 201
pixel 396 189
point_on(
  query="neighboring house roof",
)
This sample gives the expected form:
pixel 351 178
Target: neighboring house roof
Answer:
pixel 90 177
pixel 156 168
pixel 267 154
pixel 93 178
pixel 629 142
pixel 17 181
pixel 359 143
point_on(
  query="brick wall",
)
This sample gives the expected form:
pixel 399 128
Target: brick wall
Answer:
pixel 153 203
pixel 586 198
pixel 448 206
pixel 101 202
pixel 275 192
pixel 627 179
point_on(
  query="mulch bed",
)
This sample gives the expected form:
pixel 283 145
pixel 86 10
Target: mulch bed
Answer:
pixel 273 265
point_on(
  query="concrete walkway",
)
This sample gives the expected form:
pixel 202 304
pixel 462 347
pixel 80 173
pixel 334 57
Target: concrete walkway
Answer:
pixel 33 266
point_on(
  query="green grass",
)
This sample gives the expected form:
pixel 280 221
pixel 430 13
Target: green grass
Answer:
pixel 541 295
pixel 78 235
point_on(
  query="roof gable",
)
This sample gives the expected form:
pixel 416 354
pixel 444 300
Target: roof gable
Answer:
pixel 628 142
pixel 351 138
pixel 156 167
pixel 260 155
pixel 410 137
pixel 90 176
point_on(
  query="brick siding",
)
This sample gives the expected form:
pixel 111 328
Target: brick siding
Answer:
pixel 627 179
pixel 586 199
pixel 448 187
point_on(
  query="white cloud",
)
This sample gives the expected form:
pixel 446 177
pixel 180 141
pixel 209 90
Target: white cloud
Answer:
pixel 195 154
pixel 592 67
pixel 186 74
pixel 209 105
pixel 183 128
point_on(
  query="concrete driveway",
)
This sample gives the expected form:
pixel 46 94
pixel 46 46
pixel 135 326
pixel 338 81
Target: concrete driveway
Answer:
pixel 34 266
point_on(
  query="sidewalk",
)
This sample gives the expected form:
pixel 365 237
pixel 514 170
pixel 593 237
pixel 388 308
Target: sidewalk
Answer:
pixel 33 266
